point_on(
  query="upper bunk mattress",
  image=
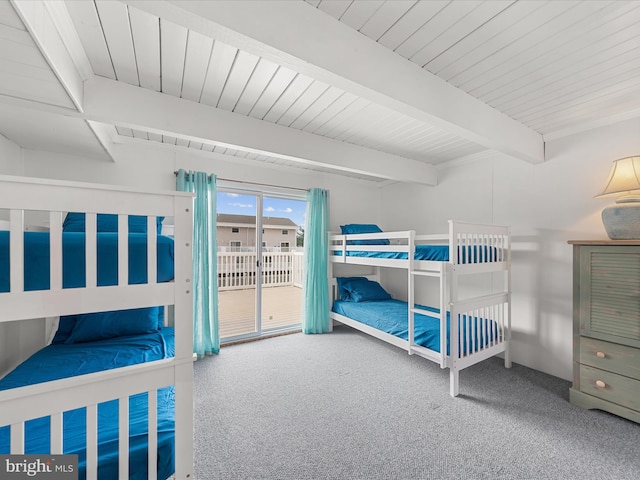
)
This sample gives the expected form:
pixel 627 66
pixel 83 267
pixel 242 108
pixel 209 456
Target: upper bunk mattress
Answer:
pixel 67 360
pixel 436 253
pixel 37 259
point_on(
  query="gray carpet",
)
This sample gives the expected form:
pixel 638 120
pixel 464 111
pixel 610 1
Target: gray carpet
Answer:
pixel 347 406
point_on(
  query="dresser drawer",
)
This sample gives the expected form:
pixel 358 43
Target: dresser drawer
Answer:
pixel 610 356
pixel 609 386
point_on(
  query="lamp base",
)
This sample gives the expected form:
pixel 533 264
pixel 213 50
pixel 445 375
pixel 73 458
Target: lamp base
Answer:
pixel 622 221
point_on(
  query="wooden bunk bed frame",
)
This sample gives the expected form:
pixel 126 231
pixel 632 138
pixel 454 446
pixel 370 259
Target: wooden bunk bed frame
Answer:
pixel 487 250
pixel 51 399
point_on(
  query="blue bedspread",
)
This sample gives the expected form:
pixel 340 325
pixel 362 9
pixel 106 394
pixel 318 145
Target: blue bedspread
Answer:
pixel 437 253
pixel 65 360
pixel 391 316
pixel 37 259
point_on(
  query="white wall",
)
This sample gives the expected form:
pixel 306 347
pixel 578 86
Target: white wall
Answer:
pixel 152 167
pixel 546 205
pixel 10 157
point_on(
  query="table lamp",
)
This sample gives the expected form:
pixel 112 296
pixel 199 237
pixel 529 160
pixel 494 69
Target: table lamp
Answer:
pixel 622 220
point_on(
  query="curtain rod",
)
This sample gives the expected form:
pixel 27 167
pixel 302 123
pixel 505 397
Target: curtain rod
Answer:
pixel 255 183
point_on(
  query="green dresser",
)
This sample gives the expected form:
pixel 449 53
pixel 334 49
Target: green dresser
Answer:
pixel 606 326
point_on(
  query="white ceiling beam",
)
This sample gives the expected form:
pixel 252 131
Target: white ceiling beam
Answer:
pixel 117 103
pixel 296 35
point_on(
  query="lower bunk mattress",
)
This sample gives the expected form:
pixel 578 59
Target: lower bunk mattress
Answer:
pixel 62 360
pixel 392 316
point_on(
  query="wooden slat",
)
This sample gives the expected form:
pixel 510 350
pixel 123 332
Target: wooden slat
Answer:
pixel 222 57
pixel 114 19
pixel 278 84
pixel 123 249
pixel 400 37
pixel 260 78
pixel 91 253
pixel 55 247
pixel 199 49
pixel 335 8
pixel 17 438
pixel 456 20
pixel 92 442
pixel 56 434
pixel 123 437
pixel 241 71
pixel 87 24
pixel 303 102
pixel 152 436
pixel 508 26
pixel 329 112
pixel 296 88
pixel 16 251
pixel 173 45
pixel 507 66
pixel 152 249
pixel 389 13
pixel 359 13
pixel 9 17
pixel 320 105
pixel 343 119
pixel 145 30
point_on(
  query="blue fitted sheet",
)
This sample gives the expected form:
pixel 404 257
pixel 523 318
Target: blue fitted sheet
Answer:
pixel 392 316
pixel 37 259
pixel 436 253
pixel 66 360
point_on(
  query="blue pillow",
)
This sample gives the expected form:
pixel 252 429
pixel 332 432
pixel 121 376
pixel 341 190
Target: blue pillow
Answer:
pixel 117 323
pixel 366 291
pixel 342 282
pixel 352 228
pixel 75 222
pixel 65 327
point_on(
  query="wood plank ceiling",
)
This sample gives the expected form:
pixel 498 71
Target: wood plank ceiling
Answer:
pixel 556 67
pixel 156 54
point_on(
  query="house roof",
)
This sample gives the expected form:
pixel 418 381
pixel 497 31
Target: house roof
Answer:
pixel 381 90
pixel 250 221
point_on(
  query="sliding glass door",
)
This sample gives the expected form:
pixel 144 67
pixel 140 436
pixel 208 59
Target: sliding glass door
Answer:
pixel 260 251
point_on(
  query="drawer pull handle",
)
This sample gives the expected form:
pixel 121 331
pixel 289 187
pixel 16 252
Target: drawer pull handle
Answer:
pixel 600 354
pixel 600 383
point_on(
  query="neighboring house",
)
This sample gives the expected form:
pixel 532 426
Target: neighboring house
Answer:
pixel 238 233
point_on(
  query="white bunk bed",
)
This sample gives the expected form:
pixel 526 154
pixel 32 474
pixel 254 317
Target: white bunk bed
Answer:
pixel 483 321
pixel 55 399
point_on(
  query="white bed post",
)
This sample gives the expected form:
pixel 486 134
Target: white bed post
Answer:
pixel 183 321
pixel 411 289
pixel 507 346
pixel 454 374
pixel 330 282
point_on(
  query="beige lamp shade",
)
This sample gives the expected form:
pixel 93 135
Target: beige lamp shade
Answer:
pixel 624 178
pixel 622 220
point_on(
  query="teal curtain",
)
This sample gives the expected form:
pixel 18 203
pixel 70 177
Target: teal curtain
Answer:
pixel 206 336
pixel 316 249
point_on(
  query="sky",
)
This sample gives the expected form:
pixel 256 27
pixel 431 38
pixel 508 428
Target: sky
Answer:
pixel 238 204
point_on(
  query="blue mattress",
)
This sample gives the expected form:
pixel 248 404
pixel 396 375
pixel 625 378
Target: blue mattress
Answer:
pixel 436 253
pixel 37 259
pixel 391 316
pixel 66 360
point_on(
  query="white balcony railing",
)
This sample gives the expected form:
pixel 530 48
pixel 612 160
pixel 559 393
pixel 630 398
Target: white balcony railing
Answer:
pixel 237 270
